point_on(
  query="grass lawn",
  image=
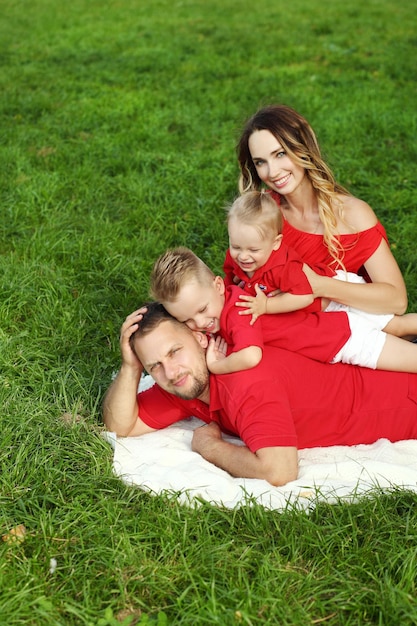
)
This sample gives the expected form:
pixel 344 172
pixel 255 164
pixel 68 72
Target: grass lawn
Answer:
pixel 118 128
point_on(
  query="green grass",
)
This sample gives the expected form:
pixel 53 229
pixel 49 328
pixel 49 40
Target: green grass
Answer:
pixel 118 127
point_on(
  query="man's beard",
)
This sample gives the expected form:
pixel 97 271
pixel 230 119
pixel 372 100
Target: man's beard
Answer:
pixel 199 385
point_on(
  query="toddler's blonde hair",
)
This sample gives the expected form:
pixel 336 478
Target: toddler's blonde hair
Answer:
pixel 258 209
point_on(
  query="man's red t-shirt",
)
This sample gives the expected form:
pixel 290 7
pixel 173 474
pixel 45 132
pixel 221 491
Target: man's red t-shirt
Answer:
pixel 289 400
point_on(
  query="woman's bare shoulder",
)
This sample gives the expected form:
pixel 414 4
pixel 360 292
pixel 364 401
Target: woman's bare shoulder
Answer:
pixel 357 213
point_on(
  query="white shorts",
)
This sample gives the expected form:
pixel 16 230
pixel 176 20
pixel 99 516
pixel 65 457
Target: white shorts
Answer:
pixel 375 319
pixel 365 344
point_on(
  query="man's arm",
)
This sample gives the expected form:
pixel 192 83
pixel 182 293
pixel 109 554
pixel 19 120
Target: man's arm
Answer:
pixel 120 407
pixel 277 465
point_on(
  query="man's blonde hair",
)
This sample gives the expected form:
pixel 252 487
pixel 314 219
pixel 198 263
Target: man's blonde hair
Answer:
pixel 174 269
pixel 258 209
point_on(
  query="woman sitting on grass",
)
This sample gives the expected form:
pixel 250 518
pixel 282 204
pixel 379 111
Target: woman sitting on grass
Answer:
pixel 322 221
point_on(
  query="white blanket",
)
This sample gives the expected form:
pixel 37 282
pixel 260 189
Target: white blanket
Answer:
pixel 163 461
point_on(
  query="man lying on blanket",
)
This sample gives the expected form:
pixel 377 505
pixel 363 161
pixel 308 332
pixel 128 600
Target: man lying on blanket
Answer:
pixel 286 402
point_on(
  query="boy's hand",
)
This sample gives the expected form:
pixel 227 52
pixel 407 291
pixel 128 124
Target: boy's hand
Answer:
pixel 255 306
pixel 216 351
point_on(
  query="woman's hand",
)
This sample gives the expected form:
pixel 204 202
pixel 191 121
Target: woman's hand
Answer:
pixel 314 279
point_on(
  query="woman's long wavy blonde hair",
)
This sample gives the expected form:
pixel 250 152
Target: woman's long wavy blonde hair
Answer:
pixel 299 141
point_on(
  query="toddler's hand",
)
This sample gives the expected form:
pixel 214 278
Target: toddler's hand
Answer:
pixel 255 306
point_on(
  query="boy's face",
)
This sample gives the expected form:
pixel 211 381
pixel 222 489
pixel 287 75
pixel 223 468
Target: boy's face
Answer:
pixel 199 306
pixel 248 247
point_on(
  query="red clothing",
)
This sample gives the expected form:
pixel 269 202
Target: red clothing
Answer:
pixel 283 270
pixel 358 247
pixel 319 335
pixel 288 400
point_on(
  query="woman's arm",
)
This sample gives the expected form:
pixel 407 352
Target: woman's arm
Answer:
pixel 386 293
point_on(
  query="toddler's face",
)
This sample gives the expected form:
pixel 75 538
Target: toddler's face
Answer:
pixel 199 306
pixel 249 247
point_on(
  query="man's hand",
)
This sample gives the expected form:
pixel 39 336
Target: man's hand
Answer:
pixel 204 437
pixel 130 325
pixel 277 465
pixel 216 351
pixel 120 405
pixel 255 306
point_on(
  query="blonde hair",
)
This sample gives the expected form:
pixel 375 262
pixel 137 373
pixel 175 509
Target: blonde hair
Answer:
pixel 299 141
pixel 258 209
pixel 173 269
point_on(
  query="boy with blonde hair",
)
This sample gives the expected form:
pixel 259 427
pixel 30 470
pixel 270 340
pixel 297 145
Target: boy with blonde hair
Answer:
pixel 191 293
